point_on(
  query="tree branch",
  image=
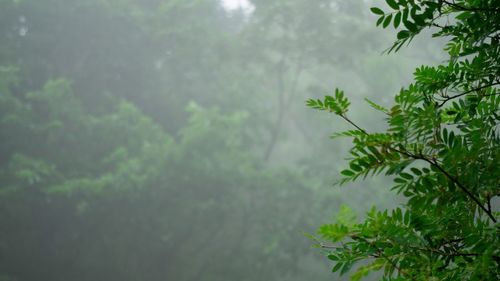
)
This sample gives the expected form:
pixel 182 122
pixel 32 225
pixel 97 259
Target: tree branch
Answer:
pixel 456 182
pixel 463 8
pixel 434 163
pixel 466 92
pixel 353 124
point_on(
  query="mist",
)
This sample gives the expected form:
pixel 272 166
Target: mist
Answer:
pixel 169 139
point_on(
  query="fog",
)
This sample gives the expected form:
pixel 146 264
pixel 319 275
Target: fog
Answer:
pixel 146 140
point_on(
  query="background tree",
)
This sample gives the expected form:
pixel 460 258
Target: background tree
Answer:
pixel 441 146
pixel 133 136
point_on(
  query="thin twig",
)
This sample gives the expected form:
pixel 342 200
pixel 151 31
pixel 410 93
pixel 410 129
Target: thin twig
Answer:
pixel 352 123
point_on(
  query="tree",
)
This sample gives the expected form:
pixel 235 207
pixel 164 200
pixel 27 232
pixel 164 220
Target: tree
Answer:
pixel 442 146
pixel 111 196
pixel 94 188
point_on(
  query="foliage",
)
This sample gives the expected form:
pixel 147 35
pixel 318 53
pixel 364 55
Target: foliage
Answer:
pixel 442 146
pixel 112 194
pixel 133 136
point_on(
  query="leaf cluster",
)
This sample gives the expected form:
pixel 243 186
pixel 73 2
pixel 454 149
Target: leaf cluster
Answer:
pixel 442 147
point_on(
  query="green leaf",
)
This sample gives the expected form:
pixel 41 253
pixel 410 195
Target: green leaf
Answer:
pixel 400 180
pixel 406 176
pixel 406 218
pixel 392 4
pixel 410 26
pixel 464 15
pixel 377 11
pixel 333 232
pixel 363 271
pixel 376 106
pixel 387 21
pixel 397 19
pixel 451 139
pixel 403 34
pixel 337 267
pixel 416 171
pixel 346 216
pixel 347 173
pixel 380 20
pixel 333 257
pixel 355 167
pixel 347 266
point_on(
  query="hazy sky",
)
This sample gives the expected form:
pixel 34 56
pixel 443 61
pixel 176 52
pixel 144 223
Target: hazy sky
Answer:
pixel 235 4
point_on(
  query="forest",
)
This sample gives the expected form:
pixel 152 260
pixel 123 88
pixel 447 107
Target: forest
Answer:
pixel 148 140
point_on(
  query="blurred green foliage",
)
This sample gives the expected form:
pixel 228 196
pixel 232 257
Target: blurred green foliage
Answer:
pixel 167 140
